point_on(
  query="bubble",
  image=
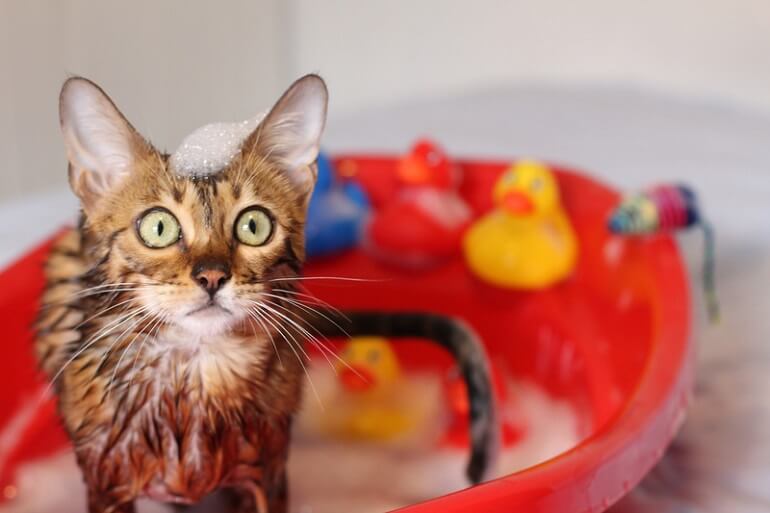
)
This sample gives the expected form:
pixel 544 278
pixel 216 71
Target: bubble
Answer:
pixel 10 492
pixel 211 148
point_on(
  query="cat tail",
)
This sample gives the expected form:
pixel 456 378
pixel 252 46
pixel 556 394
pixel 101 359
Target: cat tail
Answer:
pixel 463 344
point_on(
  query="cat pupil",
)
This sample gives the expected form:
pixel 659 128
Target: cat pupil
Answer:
pixel 252 226
pixel 160 227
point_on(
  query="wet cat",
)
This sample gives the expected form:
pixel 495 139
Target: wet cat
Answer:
pixel 170 326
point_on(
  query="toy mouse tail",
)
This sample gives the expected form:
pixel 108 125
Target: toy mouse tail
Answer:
pixel 709 271
pixel 465 346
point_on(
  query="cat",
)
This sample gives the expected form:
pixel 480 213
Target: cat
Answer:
pixel 170 326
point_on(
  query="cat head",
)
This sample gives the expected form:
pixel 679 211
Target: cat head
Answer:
pixel 197 238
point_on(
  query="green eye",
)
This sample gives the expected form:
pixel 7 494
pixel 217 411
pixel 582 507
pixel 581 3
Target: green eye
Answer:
pixel 254 226
pixel 158 228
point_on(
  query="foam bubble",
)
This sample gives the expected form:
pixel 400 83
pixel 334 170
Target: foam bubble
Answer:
pixel 211 148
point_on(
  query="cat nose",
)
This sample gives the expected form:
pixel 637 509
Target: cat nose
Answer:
pixel 211 278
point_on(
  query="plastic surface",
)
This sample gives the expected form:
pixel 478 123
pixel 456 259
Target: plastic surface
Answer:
pixel 613 340
pixel 422 224
pixel 526 241
pixel 335 213
pixel 374 403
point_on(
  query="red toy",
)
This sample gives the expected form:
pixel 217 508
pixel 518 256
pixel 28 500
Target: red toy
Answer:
pixel 424 222
pixel 427 165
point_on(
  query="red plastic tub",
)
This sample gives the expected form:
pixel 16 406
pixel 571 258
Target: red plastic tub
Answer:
pixel 613 340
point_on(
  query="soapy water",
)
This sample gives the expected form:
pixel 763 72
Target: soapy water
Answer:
pixel 338 476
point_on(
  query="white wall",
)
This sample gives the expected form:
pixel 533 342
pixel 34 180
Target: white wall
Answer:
pixel 382 50
pixel 175 64
pixel 171 66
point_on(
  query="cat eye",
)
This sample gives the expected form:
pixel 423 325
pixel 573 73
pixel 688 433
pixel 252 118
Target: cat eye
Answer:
pixel 254 226
pixel 158 228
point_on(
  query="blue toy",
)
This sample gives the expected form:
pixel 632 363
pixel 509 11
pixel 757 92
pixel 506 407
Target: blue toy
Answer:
pixel 335 214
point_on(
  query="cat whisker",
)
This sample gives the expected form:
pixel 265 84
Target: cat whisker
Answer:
pixel 134 321
pixel 161 319
pixel 110 383
pixel 110 285
pixel 317 341
pixel 280 329
pixel 291 322
pixel 317 301
pixel 310 310
pixel 86 345
pixel 102 312
pixel 313 340
pixel 257 317
pixel 113 290
pixel 109 293
pixel 112 325
pixel 82 294
pixel 131 321
pixel 332 278
pixel 310 338
pixel 117 285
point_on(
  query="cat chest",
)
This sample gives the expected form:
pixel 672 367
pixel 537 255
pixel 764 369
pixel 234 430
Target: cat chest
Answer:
pixel 179 448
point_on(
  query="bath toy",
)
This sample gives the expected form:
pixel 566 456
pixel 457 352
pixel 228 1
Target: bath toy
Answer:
pixel 375 404
pixel 527 241
pixel 427 165
pixel 424 223
pixel 335 213
pixel 368 365
pixel 613 342
pixel 669 207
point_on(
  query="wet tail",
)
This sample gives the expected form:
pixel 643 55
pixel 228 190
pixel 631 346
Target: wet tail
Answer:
pixel 464 345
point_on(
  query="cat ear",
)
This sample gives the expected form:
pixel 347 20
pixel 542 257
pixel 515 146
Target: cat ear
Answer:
pixel 290 134
pixel 101 144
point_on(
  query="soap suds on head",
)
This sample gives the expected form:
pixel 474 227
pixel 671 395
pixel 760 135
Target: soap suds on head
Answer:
pixel 211 148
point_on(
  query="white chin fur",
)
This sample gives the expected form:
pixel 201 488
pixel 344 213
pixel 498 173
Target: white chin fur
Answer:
pixel 207 323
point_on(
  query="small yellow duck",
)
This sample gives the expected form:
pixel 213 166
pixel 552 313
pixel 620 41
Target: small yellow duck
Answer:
pixel 526 242
pixel 374 402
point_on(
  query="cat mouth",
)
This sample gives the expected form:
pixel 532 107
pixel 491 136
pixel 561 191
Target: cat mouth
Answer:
pixel 210 307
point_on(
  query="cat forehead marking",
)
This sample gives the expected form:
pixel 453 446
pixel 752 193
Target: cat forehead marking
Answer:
pixel 211 148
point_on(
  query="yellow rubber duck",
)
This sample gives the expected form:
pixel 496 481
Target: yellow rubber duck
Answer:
pixel 526 242
pixel 373 402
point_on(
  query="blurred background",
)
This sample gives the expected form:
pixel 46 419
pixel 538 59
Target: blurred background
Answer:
pixel 631 92
pixel 174 65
